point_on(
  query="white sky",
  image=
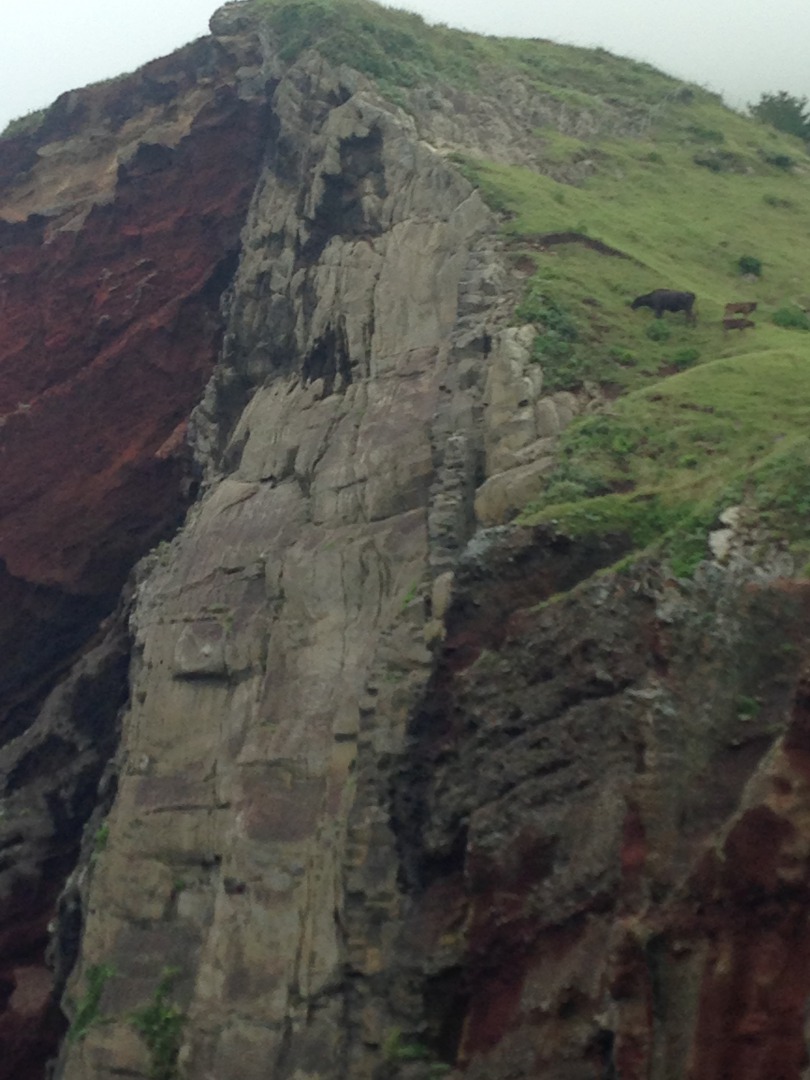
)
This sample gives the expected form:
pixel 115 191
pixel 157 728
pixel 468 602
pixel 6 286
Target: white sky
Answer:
pixel 738 47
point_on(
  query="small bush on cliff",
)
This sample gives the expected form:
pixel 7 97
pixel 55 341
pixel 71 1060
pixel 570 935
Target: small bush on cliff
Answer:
pixel 780 488
pixel 685 358
pixel 160 1025
pixel 565 365
pixel 398 1048
pixel 87 1012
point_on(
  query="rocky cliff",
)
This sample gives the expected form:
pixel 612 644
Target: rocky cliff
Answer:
pixel 350 775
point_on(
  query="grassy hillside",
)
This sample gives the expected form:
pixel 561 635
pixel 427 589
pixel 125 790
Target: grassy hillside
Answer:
pixel 698 419
pixel 702 419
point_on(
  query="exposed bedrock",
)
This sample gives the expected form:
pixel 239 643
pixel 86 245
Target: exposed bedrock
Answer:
pixel 49 779
pixel 284 627
pixel 602 823
pixel 402 789
pixel 119 229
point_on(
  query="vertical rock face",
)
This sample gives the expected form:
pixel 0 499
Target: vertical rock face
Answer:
pixel 393 793
pixel 119 228
pixel 282 630
pixel 601 813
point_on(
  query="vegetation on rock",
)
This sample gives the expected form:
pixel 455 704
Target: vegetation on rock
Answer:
pixel 87 1011
pixel 160 1025
pixel 399 49
pixel 24 125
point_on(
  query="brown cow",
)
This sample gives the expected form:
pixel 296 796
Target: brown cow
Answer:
pixel 743 307
pixel 737 324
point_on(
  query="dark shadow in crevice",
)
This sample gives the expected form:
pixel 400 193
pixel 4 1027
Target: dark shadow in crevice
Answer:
pixel 329 361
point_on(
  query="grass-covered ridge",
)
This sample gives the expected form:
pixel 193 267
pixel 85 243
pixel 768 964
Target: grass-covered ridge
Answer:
pixel 399 49
pixel 691 193
pixel 703 418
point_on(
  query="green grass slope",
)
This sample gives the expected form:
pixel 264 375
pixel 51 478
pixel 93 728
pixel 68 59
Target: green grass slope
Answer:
pixel 703 418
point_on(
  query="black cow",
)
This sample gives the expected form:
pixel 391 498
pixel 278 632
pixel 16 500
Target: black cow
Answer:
pixel 661 300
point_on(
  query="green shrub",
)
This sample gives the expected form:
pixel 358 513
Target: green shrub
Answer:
pixel 555 344
pixel 791 318
pixel 779 161
pixel 686 546
pixel 573 479
pixel 747 708
pixel 399 1049
pixel 160 1025
pixel 720 160
pixel 689 461
pixel 702 134
pixel 621 356
pixel 750 264
pixel 784 112
pixel 685 358
pixel 781 490
pixel 658 331
pixel 24 125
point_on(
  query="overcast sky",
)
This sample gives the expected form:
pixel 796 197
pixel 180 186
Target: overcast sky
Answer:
pixel 738 47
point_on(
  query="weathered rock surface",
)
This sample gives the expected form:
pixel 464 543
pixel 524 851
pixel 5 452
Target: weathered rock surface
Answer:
pixel 601 811
pixel 371 790
pixel 119 228
pixel 294 594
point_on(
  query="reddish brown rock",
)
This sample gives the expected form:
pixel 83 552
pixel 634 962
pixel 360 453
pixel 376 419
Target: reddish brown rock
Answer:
pixel 626 836
pixel 119 229
pixel 109 334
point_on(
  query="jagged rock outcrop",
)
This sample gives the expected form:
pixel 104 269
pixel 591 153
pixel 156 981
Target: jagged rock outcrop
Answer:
pixel 600 811
pixel 343 455
pixel 376 784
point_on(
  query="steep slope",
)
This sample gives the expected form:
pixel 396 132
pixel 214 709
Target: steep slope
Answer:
pixel 388 791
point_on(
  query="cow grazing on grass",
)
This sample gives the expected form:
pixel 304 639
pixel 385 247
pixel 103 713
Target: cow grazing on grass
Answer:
pixel 743 307
pixel 661 300
pixel 737 324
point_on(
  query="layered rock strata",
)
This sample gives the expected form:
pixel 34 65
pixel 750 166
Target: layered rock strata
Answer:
pixel 401 789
